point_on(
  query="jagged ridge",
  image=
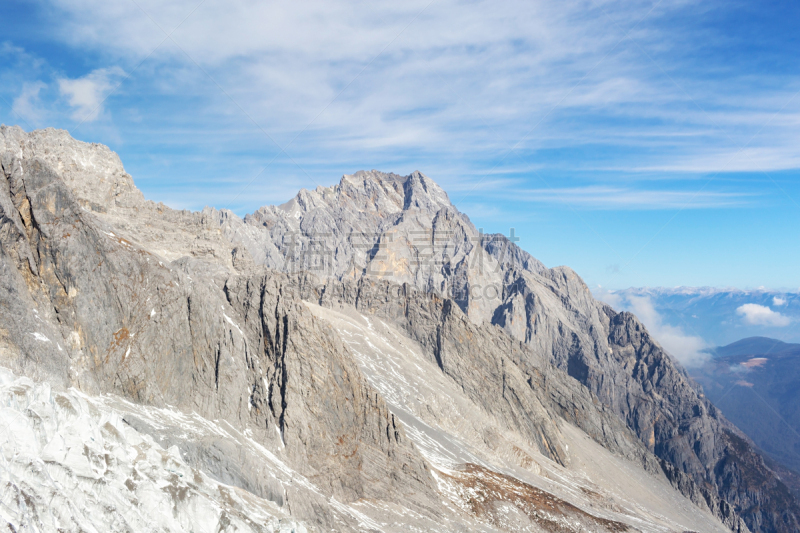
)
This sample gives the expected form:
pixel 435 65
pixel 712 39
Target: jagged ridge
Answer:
pixel 60 253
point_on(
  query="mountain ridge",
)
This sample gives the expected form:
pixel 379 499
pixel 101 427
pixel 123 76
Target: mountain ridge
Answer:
pixel 754 346
pixel 89 262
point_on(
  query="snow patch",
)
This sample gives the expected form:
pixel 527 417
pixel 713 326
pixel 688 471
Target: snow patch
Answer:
pixel 39 337
pixel 232 323
pixel 70 463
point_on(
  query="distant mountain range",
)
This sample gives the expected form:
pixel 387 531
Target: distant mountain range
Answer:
pixel 720 316
pixel 756 383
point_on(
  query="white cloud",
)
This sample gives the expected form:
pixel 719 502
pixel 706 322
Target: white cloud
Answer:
pixel 447 75
pixel 778 302
pixel 773 157
pixel 87 94
pixel 687 349
pixel 27 105
pixel 623 198
pixel 612 298
pixel 760 315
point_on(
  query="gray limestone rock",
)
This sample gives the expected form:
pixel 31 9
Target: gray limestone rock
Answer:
pixel 101 313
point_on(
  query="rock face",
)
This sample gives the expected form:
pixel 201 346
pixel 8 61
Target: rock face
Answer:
pixel 416 236
pixel 498 373
pixel 89 308
pixel 239 322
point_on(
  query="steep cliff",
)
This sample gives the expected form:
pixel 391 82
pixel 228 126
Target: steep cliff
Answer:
pixel 84 306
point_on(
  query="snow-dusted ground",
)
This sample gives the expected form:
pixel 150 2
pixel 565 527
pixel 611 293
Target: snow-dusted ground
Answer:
pixel 76 463
pixel 451 432
pixel 70 463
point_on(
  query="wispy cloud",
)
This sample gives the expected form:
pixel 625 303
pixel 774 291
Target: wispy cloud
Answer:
pixel 761 315
pixel 442 76
pixel 598 197
pixel 745 159
pixel 28 105
pixel 86 95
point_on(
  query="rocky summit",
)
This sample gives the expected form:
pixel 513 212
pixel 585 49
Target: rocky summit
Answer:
pixel 360 358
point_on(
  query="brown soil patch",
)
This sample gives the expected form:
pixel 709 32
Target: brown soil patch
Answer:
pixel 484 492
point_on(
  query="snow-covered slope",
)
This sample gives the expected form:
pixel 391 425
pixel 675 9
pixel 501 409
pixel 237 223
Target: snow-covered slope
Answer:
pixel 77 463
pixel 72 463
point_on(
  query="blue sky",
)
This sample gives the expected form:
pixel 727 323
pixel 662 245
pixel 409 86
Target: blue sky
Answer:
pixel 641 143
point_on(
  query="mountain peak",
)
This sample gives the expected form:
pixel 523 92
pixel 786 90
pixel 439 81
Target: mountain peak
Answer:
pixel 753 346
pixel 421 192
pixel 92 171
pixel 371 191
pixel 418 190
pixel 372 175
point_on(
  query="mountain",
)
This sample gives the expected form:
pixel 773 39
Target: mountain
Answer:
pixel 360 358
pixel 756 382
pixel 718 316
pixel 752 346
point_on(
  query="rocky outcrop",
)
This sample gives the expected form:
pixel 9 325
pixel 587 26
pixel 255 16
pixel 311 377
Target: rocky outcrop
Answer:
pixel 497 372
pixel 314 396
pixel 84 306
